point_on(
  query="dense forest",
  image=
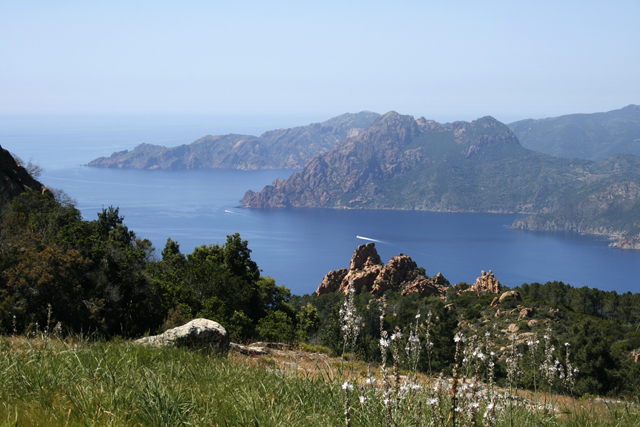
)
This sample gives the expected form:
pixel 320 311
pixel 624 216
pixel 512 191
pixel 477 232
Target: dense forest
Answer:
pixel 60 273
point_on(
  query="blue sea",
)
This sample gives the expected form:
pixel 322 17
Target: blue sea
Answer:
pixel 297 247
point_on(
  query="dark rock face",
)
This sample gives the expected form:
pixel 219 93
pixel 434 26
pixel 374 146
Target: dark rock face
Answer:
pixel 402 163
pixel 366 272
pixel 14 179
pixel 346 168
pixel 276 149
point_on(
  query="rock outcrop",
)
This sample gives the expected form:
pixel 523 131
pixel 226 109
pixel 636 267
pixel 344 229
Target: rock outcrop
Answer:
pixel 436 285
pixel 364 254
pixel 367 272
pixel 15 180
pixel 331 281
pixel 487 282
pixel 526 312
pixel 515 295
pixel 364 278
pixel 196 333
pixel 364 268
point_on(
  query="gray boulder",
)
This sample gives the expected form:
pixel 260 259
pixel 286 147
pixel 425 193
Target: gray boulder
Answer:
pixel 198 332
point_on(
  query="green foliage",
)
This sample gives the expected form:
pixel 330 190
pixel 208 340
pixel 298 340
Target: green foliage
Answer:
pixel 592 354
pixel 99 276
pixel 90 272
pixel 587 136
pixel 277 326
pixel 221 283
pixel 601 341
pixel 308 322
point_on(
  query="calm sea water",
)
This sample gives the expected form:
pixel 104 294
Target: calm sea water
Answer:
pixel 295 246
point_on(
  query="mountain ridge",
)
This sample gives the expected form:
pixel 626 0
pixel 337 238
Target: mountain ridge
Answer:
pixel 275 149
pixel 595 136
pixel 478 166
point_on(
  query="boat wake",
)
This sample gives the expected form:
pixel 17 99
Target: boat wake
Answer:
pixel 370 240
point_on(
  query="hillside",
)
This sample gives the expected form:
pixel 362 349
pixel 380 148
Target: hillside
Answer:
pixel 585 136
pixel 276 149
pixel 15 179
pixel 613 209
pixel 402 163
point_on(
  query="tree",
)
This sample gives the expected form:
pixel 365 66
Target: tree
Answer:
pixel 277 326
pixel 592 356
pixel 221 283
pixel 308 322
pixel 442 332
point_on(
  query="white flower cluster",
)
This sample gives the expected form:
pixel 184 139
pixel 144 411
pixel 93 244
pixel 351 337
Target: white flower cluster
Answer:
pixel 347 386
pixel 350 320
pixel 548 367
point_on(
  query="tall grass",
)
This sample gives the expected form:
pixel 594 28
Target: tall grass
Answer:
pixel 53 382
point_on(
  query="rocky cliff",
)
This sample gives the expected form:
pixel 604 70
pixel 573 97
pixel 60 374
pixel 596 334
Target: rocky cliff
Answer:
pixel 612 210
pixel 14 179
pixel 368 273
pixel 276 149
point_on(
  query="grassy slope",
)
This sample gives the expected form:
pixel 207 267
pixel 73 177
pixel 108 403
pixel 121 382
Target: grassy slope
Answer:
pixel 47 382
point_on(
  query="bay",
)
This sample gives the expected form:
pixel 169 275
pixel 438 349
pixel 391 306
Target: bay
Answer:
pixel 295 246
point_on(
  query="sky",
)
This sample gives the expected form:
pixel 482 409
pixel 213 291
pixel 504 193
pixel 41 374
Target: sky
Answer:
pixel 444 60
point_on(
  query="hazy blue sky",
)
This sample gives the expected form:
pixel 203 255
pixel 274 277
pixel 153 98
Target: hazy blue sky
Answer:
pixel 443 60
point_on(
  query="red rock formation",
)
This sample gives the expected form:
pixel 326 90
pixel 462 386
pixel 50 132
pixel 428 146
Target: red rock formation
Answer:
pixel 400 270
pixel 485 283
pixel 363 270
pixel 331 281
pixel 437 285
pixel 364 278
pixel 366 271
pixel 363 254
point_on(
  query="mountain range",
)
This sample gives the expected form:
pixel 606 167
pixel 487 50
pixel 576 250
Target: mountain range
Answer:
pixel 276 149
pixel 576 172
pixel 402 163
